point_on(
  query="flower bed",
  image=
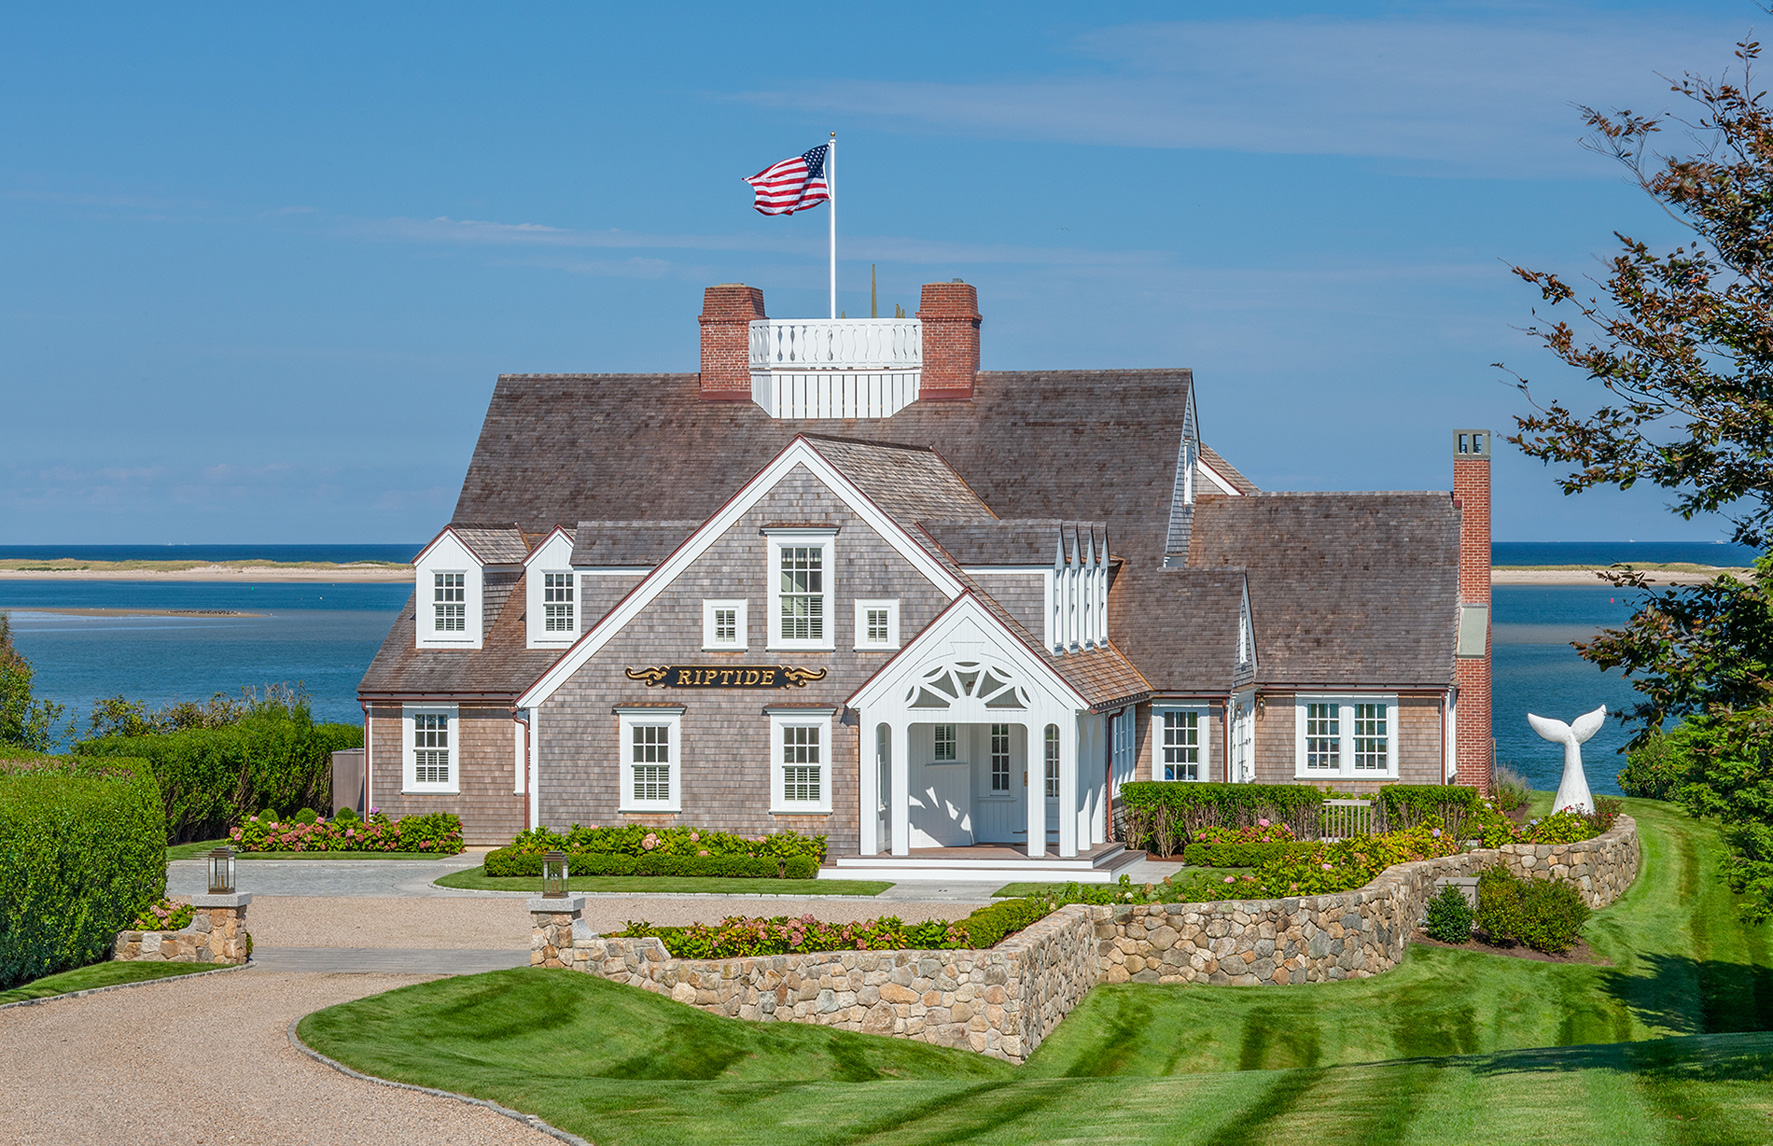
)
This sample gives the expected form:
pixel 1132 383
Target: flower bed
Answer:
pixel 638 839
pixel 163 915
pixel 439 832
pixel 741 936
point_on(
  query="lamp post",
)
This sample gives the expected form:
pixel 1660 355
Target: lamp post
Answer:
pixel 554 875
pixel 221 871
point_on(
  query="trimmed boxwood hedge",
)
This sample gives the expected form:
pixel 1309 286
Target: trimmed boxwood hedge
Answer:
pixel 510 862
pixel 1229 854
pixel 1406 805
pixel 212 779
pixel 1163 815
pixel 82 850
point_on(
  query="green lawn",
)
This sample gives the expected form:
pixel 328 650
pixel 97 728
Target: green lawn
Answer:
pixel 201 848
pixel 1667 1045
pixel 476 879
pixel 99 975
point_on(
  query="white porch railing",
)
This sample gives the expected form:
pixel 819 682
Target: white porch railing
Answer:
pixel 835 367
pixel 1342 819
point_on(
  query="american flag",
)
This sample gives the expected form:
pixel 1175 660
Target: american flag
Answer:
pixel 791 185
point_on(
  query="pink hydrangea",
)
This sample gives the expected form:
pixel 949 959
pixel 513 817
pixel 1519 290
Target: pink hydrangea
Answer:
pixel 1262 823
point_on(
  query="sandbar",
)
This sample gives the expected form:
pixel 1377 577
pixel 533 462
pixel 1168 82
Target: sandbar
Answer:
pixel 1596 575
pixel 315 572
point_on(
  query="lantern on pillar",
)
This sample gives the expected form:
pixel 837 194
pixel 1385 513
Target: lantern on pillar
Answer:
pixel 554 875
pixel 221 871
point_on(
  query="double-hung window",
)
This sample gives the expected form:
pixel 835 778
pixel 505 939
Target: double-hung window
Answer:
pixel 557 603
pixel 651 772
pixel 1351 737
pixel 801 596
pixel 449 602
pixel 430 734
pixel 800 739
pixel 1179 744
pixel 1000 759
pixel 1052 761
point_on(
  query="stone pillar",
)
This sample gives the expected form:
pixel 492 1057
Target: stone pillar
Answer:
pixel 221 919
pixel 558 937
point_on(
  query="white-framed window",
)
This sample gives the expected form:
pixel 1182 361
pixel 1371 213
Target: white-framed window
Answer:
pixel 651 748
pixel 1052 761
pixel 877 624
pixel 801 590
pixel 947 743
pixel 1179 743
pixel 724 625
pixel 449 602
pixel 431 749
pixel 1351 737
pixel 1001 754
pixel 558 614
pixel 800 771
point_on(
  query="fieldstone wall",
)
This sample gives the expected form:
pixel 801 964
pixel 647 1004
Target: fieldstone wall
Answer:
pixel 216 934
pixel 1004 1001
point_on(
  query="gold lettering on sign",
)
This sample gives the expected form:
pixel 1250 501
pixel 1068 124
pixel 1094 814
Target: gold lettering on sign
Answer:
pixel 699 676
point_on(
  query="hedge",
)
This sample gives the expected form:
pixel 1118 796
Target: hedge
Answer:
pixel 1161 815
pixel 82 850
pixel 212 779
pixel 1232 854
pixel 510 862
pixel 1404 806
pixel 682 840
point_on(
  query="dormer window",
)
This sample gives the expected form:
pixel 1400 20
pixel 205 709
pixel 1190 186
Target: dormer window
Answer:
pixel 557 603
pixel 449 602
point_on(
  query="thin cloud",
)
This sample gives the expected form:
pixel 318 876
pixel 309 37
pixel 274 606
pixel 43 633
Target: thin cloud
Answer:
pixel 1455 96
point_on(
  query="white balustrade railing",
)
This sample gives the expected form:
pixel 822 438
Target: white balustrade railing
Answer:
pixel 836 344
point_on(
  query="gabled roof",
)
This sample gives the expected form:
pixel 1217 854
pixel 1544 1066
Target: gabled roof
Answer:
pixel 1346 589
pixel 498 670
pixel 494 544
pixel 908 482
pixel 1194 651
pixel 557 449
pixel 1213 461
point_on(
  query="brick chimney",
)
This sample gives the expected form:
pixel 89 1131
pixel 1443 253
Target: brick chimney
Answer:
pixel 1475 747
pixel 727 311
pixel 950 315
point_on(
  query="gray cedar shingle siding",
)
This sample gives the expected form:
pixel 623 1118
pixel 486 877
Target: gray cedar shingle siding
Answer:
pixel 486 758
pixel 725 749
pixel 1347 590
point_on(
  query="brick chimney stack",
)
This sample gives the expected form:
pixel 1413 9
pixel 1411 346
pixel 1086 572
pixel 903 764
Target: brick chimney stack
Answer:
pixel 727 311
pixel 950 316
pixel 1475 747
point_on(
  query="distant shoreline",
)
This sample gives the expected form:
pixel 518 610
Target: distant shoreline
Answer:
pixel 1672 574
pixel 66 569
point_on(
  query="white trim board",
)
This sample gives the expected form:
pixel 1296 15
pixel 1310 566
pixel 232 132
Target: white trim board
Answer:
pixel 798 452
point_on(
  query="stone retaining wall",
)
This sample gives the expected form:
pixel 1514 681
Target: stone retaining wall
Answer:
pixel 216 934
pixel 1004 1001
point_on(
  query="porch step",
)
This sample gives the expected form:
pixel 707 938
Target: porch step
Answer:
pixel 1104 866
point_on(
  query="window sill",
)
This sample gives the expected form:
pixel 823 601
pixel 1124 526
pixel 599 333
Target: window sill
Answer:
pixel 1321 775
pixel 999 798
pixel 826 648
pixel 800 811
pixel 430 791
pixel 877 648
pixel 648 809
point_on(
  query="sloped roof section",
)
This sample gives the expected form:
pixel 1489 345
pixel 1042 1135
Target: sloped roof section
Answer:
pixel 627 544
pixel 494 544
pixel 907 482
pixel 1346 589
pixel 499 670
pixel 556 449
pixel 1179 626
pixel 1226 470
pixel 1015 542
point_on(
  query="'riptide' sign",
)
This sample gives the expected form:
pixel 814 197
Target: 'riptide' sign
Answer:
pixel 725 676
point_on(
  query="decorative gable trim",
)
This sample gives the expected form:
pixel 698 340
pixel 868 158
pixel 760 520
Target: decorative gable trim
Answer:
pixel 559 531
pixel 798 452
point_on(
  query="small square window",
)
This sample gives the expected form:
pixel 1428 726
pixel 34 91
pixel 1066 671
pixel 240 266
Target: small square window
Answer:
pixel 877 624
pixel 723 625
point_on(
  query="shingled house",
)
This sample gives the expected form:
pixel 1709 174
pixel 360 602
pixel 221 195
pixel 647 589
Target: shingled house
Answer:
pixel 843 581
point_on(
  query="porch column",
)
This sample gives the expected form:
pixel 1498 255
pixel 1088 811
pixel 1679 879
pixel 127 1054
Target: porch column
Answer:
pixel 1068 788
pixel 1035 798
pixel 900 809
pixel 868 780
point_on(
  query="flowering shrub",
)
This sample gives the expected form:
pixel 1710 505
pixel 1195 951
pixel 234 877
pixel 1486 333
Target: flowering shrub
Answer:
pixel 1565 826
pixel 741 936
pixel 638 839
pixel 439 832
pixel 1263 831
pixel 163 915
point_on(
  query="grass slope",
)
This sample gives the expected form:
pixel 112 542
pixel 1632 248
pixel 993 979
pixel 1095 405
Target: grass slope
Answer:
pixel 1668 1045
pixel 475 879
pixel 98 975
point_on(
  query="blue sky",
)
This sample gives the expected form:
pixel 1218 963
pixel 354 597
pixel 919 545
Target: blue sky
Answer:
pixel 263 267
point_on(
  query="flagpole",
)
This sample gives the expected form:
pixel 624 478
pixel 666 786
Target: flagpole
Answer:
pixel 831 191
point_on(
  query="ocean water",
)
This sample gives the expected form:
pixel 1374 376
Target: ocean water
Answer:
pixel 341 554
pixel 324 636
pixel 1611 552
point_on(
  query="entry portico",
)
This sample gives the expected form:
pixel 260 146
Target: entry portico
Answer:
pixel 968 681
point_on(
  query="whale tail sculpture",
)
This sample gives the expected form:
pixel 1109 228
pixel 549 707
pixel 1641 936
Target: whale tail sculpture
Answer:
pixel 1573 788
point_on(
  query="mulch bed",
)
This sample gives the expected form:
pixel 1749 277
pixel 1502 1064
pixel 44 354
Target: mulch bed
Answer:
pixel 1581 952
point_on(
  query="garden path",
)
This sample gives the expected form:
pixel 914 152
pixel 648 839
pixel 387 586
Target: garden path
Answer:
pixel 207 1060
